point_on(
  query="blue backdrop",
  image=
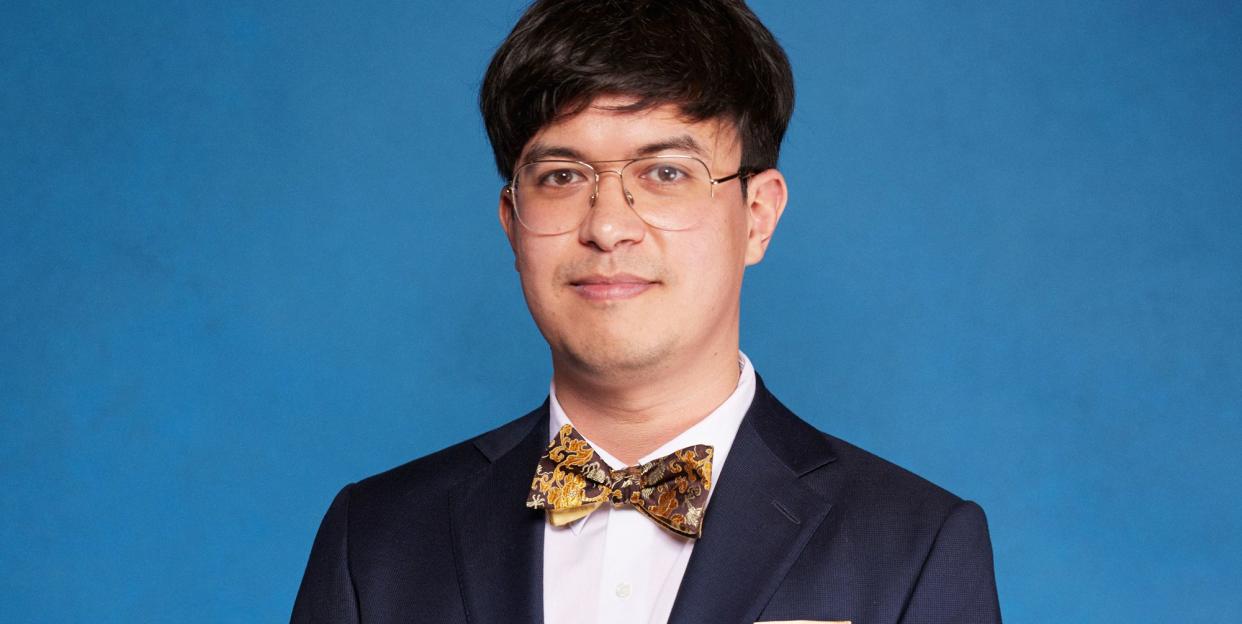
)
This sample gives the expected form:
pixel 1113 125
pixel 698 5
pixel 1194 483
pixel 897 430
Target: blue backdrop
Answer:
pixel 249 253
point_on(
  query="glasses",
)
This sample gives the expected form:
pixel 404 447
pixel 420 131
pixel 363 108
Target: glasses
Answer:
pixel 667 192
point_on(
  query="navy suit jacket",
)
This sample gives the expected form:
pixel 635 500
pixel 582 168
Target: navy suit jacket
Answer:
pixel 802 526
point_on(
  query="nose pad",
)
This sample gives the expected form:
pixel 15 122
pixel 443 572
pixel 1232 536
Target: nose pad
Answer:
pixel 629 198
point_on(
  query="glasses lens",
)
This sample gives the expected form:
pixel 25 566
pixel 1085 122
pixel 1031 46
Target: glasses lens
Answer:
pixel 552 196
pixel 670 192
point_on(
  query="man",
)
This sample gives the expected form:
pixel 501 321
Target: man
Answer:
pixel 660 481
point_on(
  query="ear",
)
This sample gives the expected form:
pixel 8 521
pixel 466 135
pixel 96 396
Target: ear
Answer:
pixel 508 221
pixel 766 197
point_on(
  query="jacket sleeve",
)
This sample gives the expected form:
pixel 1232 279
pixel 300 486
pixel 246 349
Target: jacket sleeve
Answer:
pixel 327 592
pixel 957 583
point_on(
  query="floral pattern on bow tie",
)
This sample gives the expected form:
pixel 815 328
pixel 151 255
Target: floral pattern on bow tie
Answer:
pixel 671 490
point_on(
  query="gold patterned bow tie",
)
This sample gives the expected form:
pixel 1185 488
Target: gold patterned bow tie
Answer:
pixel 571 481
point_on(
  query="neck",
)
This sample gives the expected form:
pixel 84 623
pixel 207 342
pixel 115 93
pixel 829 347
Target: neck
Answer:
pixel 631 415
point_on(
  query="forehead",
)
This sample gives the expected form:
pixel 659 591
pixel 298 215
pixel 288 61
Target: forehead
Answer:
pixel 602 130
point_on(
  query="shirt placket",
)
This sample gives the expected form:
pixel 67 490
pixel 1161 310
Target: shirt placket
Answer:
pixel 624 590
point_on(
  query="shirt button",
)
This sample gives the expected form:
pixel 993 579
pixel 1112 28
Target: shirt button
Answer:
pixel 623 590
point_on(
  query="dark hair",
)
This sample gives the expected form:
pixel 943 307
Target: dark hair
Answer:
pixel 712 58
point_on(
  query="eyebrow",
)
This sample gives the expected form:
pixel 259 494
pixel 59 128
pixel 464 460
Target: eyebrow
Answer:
pixel 682 143
pixel 541 151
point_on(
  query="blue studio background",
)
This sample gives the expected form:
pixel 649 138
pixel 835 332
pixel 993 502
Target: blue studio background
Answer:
pixel 249 253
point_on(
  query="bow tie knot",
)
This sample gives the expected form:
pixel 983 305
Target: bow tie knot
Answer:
pixel 571 481
pixel 627 485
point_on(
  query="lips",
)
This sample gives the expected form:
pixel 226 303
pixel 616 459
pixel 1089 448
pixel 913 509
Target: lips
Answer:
pixel 611 287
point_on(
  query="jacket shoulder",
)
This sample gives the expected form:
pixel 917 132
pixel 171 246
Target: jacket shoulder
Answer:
pixel 847 474
pixel 884 484
pixel 441 470
pixel 901 547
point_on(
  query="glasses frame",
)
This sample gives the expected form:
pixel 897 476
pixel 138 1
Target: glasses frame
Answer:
pixel 511 188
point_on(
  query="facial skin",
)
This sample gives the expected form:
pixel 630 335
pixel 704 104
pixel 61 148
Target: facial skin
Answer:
pixel 641 320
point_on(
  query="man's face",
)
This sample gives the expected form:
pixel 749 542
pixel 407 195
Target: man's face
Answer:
pixel 616 295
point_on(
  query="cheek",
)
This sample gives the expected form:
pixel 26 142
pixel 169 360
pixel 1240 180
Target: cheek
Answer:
pixel 710 266
pixel 536 267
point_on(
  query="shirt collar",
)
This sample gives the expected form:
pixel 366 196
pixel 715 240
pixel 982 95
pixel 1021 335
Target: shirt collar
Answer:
pixel 717 429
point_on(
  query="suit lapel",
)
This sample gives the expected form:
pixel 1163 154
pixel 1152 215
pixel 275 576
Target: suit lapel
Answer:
pixel 758 520
pixel 497 541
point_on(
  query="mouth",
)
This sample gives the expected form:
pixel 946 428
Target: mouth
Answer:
pixel 611 287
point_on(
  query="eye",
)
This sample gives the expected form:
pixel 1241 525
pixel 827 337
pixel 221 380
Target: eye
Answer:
pixel 665 173
pixel 669 173
pixel 561 177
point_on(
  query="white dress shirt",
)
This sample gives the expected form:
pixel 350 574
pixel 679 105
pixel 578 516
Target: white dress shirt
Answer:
pixel 617 565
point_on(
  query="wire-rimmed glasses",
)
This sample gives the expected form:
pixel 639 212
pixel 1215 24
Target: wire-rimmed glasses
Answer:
pixel 669 192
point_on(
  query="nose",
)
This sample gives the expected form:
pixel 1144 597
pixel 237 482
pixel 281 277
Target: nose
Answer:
pixel 611 221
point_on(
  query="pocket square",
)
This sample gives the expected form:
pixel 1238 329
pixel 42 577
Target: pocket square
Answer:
pixel 804 622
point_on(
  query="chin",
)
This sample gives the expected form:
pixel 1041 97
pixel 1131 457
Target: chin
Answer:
pixel 620 356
